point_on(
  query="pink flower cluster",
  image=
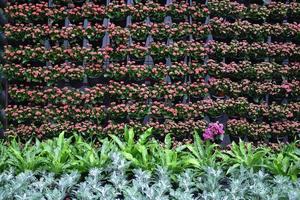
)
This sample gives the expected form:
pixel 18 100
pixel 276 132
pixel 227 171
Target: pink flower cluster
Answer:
pixel 213 130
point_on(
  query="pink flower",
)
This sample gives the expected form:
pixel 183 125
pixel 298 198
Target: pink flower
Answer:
pixel 213 129
pixel 208 134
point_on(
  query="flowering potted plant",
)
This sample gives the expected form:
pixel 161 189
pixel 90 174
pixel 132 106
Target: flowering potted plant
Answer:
pixel 293 13
pixel 95 74
pixel 74 74
pixel 117 12
pixel 238 129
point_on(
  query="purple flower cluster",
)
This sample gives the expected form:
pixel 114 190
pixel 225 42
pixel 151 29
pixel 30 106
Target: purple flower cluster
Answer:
pixel 213 129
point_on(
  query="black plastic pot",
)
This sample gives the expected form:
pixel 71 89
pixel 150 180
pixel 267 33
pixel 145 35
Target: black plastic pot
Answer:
pixel 178 100
pixel 162 2
pixel 61 84
pixel 222 118
pixel 160 119
pixel 3 20
pixel 3 98
pixel 3 119
pixel 222 38
pixel 2 133
pixel 119 22
pixel 248 2
pixel 3 3
pixel 36 63
pixel 194 99
pixel 92 81
pixel 120 120
pixel 226 141
pixel 177 19
pixel 76 83
pixel 96 43
pixel 215 97
pixel 137 61
pixel 78 2
pixel 255 21
pixel 102 2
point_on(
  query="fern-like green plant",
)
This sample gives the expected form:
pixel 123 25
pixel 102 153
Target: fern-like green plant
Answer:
pixel 58 154
pixel 24 158
pixel 201 154
pixel 136 151
pixel 3 156
pixel 243 154
pixel 167 157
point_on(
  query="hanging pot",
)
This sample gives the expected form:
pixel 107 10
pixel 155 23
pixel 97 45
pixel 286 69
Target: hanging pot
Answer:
pixel 78 2
pixel 37 63
pixel 3 98
pixel 3 3
pixel 162 2
pixel 120 120
pixel 137 61
pixel 3 19
pixel 102 2
pixel 160 119
pixel 284 139
pixel 3 39
pixel 222 118
pixel 225 141
pixel 194 99
pixel 61 83
pixel 2 133
pixel 120 22
pixel 3 119
pixel 221 38
pixel 76 83
pixel 94 80
pixel 218 96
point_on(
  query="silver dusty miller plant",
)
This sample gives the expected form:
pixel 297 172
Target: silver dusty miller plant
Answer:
pixel 118 181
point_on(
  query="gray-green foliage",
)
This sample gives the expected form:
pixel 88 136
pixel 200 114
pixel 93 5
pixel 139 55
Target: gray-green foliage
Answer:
pixel 118 181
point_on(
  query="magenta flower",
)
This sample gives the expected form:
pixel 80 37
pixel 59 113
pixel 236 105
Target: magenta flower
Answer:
pixel 213 129
pixel 208 134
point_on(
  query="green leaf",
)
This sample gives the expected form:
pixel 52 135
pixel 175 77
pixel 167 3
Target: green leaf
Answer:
pixel 168 141
pixel 118 141
pixel 144 137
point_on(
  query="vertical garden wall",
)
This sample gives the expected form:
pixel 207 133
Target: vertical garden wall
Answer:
pixel 3 80
pixel 92 67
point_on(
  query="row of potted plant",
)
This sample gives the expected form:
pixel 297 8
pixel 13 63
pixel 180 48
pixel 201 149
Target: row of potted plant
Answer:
pixel 254 89
pixel 283 129
pixel 272 12
pixel 90 128
pixel 97 73
pixel 39 55
pixel 223 29
pixel 39 13
pixel 131 72
pixel 256 51
pixel 38 114
pixel 233 108
pixel 31 33
pixel 180 130
pixel 253 71
pixel 114 91
pixel 117 91
pixel 233 51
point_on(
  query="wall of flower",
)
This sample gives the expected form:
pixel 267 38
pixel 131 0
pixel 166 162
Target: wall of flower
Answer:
pixel 95 66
